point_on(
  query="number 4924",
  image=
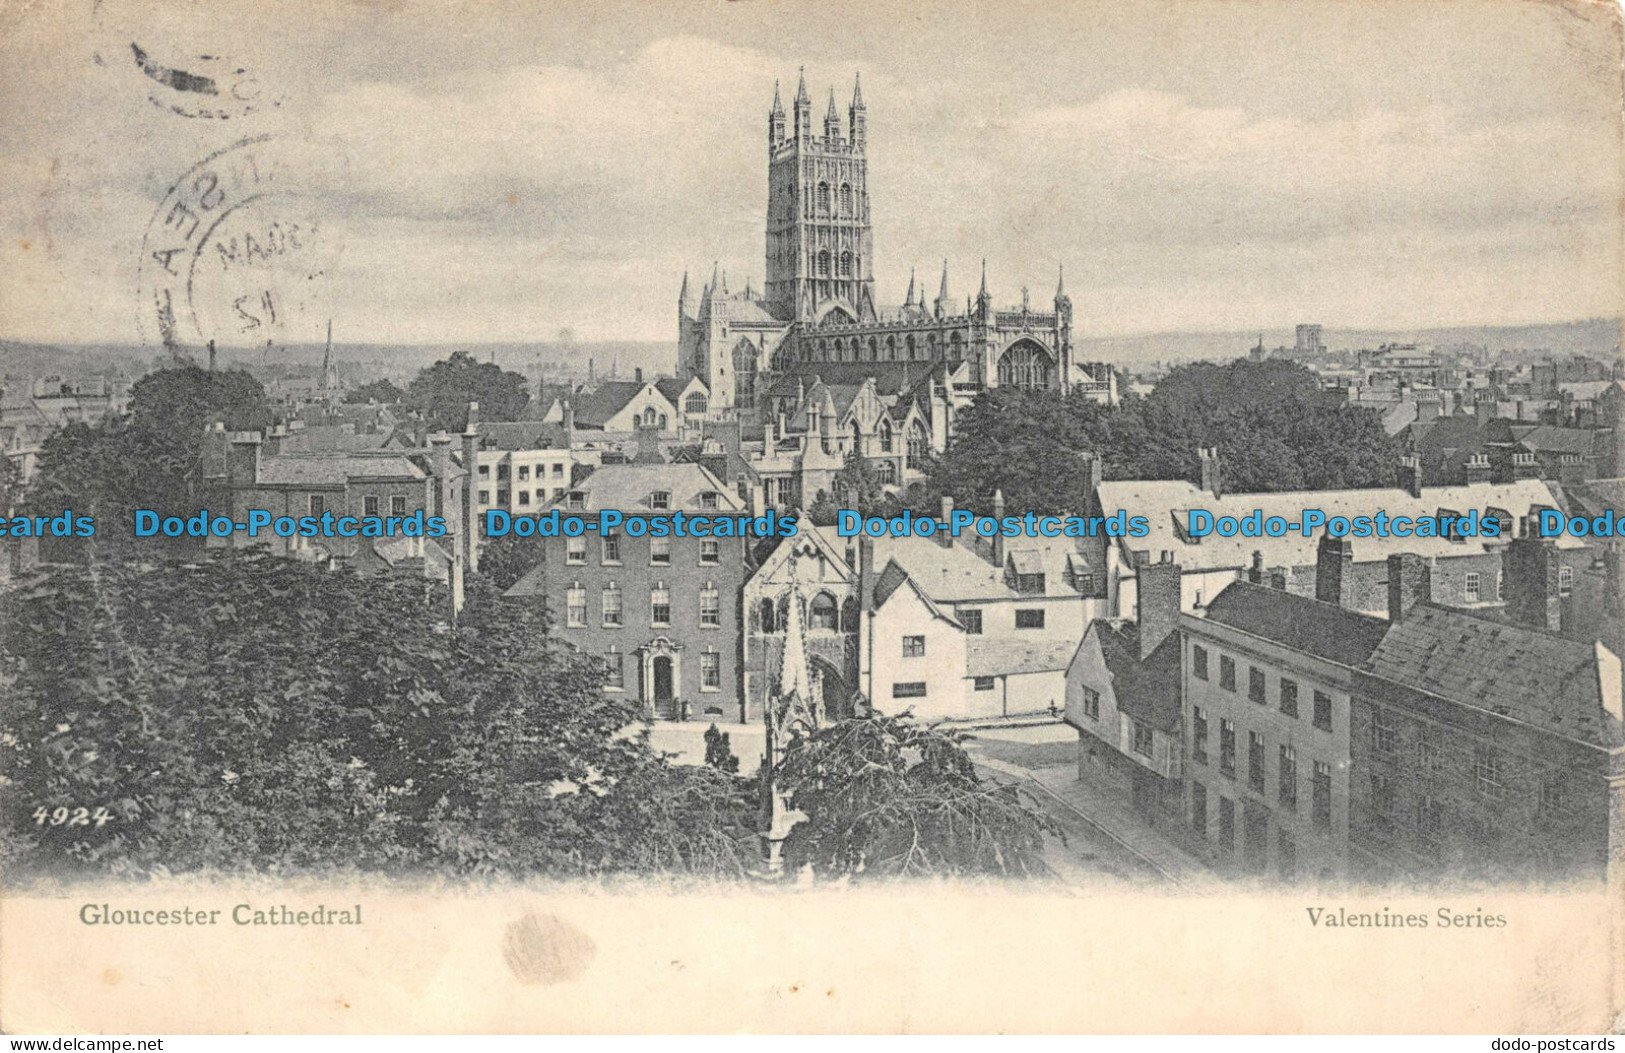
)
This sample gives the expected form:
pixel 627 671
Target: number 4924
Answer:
pixel 71 816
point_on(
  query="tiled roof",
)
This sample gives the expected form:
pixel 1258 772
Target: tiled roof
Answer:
pixel 334 468
pixel 522 435
pixel 1552 439
pixel 626 488
pixel 1311 626
pixel 595 408
pixel 1161 500
pixel 1531 676
pixel 992 657
pixel 332 438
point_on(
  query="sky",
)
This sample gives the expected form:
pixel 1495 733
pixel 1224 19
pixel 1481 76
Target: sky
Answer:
pixel 504 171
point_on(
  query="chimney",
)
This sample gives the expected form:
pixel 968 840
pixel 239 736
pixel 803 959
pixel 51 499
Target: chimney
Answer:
pixel 945 539
pixel 445 495
pixel 243 466
pixel 569 423
pixel 1334 570
pixel 1410 475
pixel 769 444
pixel 1571 469
pixel 866 573
pixel 1484 410
pixel 471 495
pixel 1212 482
pixel 211 356
pixel 1531 572
pixel 1524 465
pixel 1091 468
pixel 649 445
pixel 1427 409
pixel 1158 596
pixel 998 534
pixel 638 374
pixel 1255 573
pixel 1410 582
pixel 1477 469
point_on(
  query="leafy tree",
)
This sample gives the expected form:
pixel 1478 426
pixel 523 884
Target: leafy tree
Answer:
pixel 506 559
pixel 442 392
pixel 153 458
pixel 380 390
pixel 248 713
pixel 1274 427
pixel 11 484
pixel 887 796
pixel 718 753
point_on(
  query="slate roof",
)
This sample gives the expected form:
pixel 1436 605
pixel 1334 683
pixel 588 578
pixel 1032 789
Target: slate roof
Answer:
pixel 1531 676
pixel 1148 691
pixel 332 438
pixel 1311 626
pixel 594 408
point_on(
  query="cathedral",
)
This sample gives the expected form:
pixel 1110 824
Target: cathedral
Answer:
pixel 816 314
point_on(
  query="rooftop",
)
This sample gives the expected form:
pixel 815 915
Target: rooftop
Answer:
pixel 1310 626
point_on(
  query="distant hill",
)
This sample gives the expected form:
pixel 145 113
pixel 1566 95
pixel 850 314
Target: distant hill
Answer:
pixel 398 362
pixel 1598 337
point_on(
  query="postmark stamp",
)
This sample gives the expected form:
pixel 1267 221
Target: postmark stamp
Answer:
pixel 234 252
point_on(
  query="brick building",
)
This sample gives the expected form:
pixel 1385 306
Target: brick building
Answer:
pixel 662 612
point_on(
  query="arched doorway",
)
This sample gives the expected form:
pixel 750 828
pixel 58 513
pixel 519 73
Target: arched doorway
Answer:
pixel 1026 364
pixel 829 688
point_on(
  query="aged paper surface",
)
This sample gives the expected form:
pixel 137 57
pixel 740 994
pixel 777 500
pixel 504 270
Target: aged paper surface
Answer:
pixel 330 195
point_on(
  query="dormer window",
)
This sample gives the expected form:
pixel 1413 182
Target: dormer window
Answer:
pixel 576 500
pixel 708 500
pixel 660 500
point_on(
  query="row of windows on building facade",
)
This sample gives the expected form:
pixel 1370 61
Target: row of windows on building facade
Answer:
pixel 612 607
pixel 609 551
pixel 614 662
pixel 825 200
pixel 370 505
pixel 1482 770
pixel 851 349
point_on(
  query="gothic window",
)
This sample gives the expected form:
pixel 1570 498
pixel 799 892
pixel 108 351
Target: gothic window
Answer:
pixel 931 347
pixel 824 613
pixel 909 342
pixel 770 619
pixel 823 199
pixel 846 199
pixel 891 349
pixel 846 265
pixel 918 443
pixel 1025 365
pixel 956 348
pixel 649 416
pixel 887 473
pixel 695 403
pixel 874 350
pixel 823 263
pixel 885 436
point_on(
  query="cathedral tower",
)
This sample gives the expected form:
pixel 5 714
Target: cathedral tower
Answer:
pixel 819 242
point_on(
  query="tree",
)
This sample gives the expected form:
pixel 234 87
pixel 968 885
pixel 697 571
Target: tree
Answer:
pixel 244 712
pixel 442 392
pixel 1274 427
pixel 887 796
pixel 380 391
pixel 506 559
pixel 153 458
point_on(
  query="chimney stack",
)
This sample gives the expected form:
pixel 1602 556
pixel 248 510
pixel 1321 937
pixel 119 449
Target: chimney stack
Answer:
pixel 1255 573
pixel 1091 468
pixel 445 495
pixel 569 423
pixel 471 495
pixel 1524 465
pixel 1157 595
pixel 1533 590
pixel 1477 469
pixel 1410 582
pixel 1334 571
pixel 638 374
pixel 998 533
pixel 1410 475
pixel 1212 482
pixel 945 539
